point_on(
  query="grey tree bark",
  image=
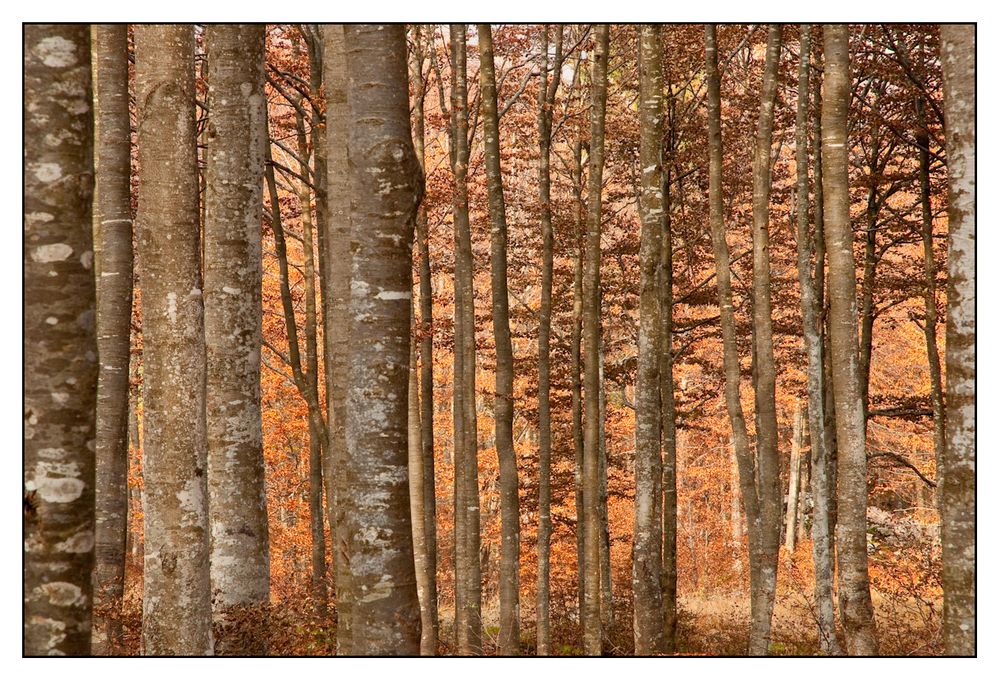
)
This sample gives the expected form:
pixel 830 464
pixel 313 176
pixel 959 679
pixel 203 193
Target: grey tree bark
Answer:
pixel 958 499
pixel 60 344
pixel 592 638
pixel 240 560
pixel 647 588
pixel 809 246
pixel 177 611
pixel 794 470
pixel 386 185
pixel 852 477
pixel 509 635
pixel 113 237
pixel 338 277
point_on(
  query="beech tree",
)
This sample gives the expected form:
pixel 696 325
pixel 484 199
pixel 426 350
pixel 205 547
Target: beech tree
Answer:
pixel 60 346
pixel 958 498
pixel 177 612
pixel 386 184
pixel 113 242
pixel 237 142
pixel 852 472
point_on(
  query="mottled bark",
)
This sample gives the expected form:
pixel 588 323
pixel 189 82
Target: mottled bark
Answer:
pixel 794 470
pixel 468 573
pixel 852 479
pixel 591 355
pixel 546 101
pixel 113 237
pixel 811 287
pixel 177 611
pixel 427 583
pixel 386 184
pixel 727 324
pixel 240 562
pixel 647 539
pixel 60 344
pixel 338 278
pixel 958 498
pixel 509 635
pixel 768 471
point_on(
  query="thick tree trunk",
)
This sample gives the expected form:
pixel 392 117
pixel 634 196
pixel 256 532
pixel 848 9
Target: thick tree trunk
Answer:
pixel 727 324
pixel 647 588
pixel 386 185
pixel 591 352
pixel 811 287
pixel 60 344
pixel 425 407
pixel 177 611
pixel 958 498
pixel 338 277
pixel 768 471
pixel 113 213
pixel 240 562
pixel 852 479
pixel 546 101
pixel 510 632
pixel 468 572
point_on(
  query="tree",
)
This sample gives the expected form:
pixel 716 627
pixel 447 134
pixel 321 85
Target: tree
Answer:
pixel 852 478
pixel 646 565
pixel 60 346
pixel 177 613
pixel 386 184
pixel 958 498
pixel 338 278
pixel 592 638
pixel 234 181
pixel 811 303
pixel 113 240
pixel 509 634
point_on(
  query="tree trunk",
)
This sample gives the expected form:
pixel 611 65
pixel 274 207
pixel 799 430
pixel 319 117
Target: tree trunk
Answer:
pixel 958 498
pixel 576 385
pixel 811 287
pixel 852 493
pixel 591 353
pixel 647 590
pixel 607 588
pixel 425 407
pixel 509 636
pixel 468 572
pixel 546 101
pixel 177 611
pixel 727 324
pixel 386 186
pixel 240 562
pixel 768 471
pixel 794 470
pixel 113 210
pixel 60 345
pixel 416 489
pixel 338 277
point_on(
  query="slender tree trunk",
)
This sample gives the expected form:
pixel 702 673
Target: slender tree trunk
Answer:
pixel 607 588
pixel 794 479
pixel 930 295
pixel 468 570
pixel 591 353
pixel 647 589
pixel 546 101
pixel 113 210
pixel 240 562
pixel 768 471
pixel 386 185
pixel 425 407
pixel 852 479
pixel 177 611
pixel 338 277
pixel 416 488
pixel 958 498
pixel 509 636
pixel 60 344
pixel 811 287
pixel 576 380
pixel 727 324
